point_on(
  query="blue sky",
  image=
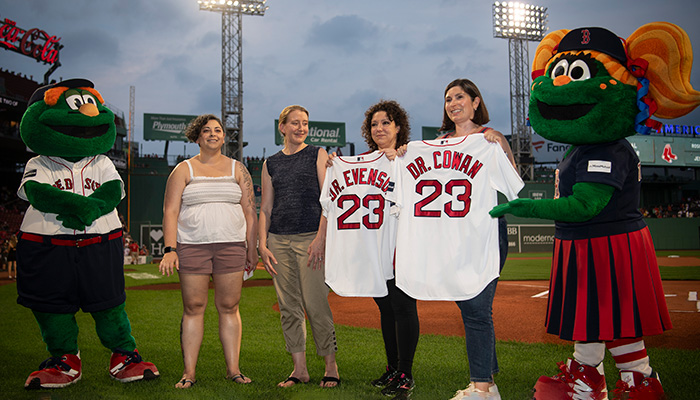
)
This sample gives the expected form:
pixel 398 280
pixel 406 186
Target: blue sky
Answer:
pixel 334 57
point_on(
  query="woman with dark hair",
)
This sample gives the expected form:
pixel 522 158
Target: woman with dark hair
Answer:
pixel 209 228
pixel 465 113
pixel 386 128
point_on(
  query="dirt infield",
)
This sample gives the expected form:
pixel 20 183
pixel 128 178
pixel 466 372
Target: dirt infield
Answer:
pixel 520 317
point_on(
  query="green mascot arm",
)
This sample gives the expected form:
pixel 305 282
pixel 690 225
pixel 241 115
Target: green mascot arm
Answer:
pixel 110 193
pixel 74 210
pixel 587 201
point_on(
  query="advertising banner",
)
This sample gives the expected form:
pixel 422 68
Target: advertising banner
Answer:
pixel 530 238
pixel 321 133
pixel 547 151
pixel 166 126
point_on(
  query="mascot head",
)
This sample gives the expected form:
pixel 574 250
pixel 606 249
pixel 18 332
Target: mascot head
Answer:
pixel 68 119
pixel 590 86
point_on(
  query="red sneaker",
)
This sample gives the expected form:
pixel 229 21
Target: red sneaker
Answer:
pixel 575 381
pixel 55 372
pixel 127 366
pixel 634 385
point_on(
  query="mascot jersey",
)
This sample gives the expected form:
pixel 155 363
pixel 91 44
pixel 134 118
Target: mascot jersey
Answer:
pixel 361 232
pixel 447 244
pixel 82 177
pixel 615 164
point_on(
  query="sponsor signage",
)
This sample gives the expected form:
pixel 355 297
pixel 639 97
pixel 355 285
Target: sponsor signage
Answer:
pixel 665 151
pixel 547 151
pixel 166 126
pixel 321 133
pixel 34 43
pixel 152 237
pixel 530 238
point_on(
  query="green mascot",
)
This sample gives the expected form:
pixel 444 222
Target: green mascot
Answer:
pixel 70 252
pixel 592 89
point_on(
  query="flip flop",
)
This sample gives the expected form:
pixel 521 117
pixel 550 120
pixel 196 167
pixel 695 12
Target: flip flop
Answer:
pixel 185 381
pixel 239 376
pixel 327 379
pixel 292 379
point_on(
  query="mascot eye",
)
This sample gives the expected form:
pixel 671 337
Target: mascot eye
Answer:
pixel 75 101
pixel 579 71
pixel 561 68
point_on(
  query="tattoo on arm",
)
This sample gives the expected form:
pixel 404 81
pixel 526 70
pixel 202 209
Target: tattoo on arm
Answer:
pixel 247 181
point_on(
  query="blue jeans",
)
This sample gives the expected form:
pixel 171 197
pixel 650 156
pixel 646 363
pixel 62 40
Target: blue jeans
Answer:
pixel 477 316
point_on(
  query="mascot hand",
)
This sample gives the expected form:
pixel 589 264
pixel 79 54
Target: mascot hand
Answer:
pixel 517 207
pixel 587 201
pixel 71 222
pixel 110 194
pixel 84 216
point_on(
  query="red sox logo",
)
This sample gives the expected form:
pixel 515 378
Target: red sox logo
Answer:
pixel 668 155
pixel 585 36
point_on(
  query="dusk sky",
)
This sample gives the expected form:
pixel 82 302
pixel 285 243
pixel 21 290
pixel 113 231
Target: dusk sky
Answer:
pixel 336 58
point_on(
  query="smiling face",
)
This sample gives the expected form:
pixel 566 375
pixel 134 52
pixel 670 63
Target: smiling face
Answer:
pixel 578 102
pixel 69 123
pixel 211 135
pixel 295 128
pixel 384 131
pixel 459 106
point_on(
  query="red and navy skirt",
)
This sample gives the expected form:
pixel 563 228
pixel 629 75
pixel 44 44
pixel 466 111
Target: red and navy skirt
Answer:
pixel 606 288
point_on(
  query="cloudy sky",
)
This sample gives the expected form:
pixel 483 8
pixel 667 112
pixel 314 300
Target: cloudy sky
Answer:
pixel 334 57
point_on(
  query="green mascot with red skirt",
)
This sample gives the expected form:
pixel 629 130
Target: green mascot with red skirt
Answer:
pixel 592 89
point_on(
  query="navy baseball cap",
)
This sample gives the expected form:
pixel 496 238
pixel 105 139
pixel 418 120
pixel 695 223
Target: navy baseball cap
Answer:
pixel 38 94
pixel 597 39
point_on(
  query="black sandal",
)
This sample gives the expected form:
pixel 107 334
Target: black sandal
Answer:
pixel 327 379
pixel 239 376
pixel 185 381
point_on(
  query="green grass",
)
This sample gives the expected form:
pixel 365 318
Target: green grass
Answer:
pixel 440 363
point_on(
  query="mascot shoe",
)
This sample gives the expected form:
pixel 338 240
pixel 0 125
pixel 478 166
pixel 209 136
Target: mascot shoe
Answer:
pixel 127 366
pixel 575 381
pixel 55 372
pixel 634 385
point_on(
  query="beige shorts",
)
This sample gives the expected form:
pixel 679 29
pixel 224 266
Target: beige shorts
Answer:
pixel 211 258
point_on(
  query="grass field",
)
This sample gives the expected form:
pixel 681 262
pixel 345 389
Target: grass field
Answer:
pixel 440 364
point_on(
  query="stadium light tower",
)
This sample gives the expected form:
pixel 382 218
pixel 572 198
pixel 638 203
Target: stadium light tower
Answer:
pixel 232 65
pixel 520 23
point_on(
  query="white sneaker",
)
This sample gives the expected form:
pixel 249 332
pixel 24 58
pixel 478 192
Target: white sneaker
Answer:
pixel 472 393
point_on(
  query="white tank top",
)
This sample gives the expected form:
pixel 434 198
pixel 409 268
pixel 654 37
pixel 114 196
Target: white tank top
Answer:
pixel 211 210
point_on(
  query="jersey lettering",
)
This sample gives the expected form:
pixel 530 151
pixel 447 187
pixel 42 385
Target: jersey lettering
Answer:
pixel 373 202
pixel 63 184
pixel 446 159
pixel 360 176
pixel 91 185
pixel 451 188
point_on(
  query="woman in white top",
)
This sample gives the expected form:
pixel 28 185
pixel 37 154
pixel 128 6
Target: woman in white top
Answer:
pixel 209 226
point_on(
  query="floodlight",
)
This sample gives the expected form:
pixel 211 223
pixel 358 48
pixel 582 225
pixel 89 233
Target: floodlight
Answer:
pixel 515 20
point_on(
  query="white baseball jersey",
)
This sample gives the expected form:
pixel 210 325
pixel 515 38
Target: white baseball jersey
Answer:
pixel 361 232
pixel 447 243
pixel 82 177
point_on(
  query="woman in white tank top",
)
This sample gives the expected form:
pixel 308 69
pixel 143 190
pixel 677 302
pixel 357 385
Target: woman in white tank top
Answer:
pixel 209 226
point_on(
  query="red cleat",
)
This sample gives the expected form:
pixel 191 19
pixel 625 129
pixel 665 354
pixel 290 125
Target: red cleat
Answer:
pixel 55 372
pixel 127 366
pixel 575 381
pixel 634 385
